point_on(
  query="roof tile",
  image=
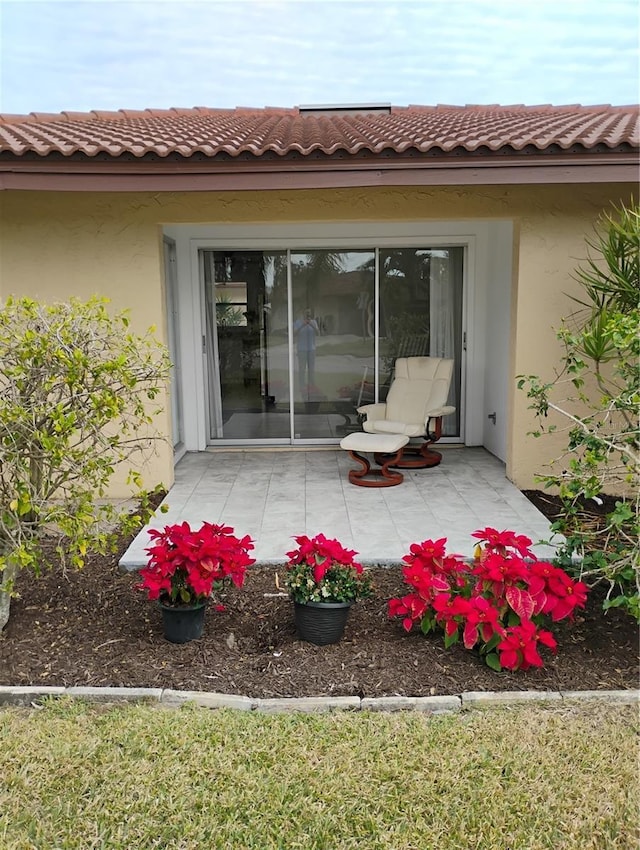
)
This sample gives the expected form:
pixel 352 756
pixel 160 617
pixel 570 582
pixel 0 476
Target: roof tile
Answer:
pixel 215 132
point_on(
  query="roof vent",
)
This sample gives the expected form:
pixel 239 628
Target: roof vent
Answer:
pixel 343 108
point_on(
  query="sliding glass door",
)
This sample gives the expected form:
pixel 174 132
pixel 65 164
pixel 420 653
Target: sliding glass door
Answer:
pixel 297 340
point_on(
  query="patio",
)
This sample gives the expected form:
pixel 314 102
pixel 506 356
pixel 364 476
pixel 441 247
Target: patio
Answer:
pixel 275 494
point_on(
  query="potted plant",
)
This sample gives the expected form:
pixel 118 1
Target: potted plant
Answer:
pixel 186 567
pixel 323 581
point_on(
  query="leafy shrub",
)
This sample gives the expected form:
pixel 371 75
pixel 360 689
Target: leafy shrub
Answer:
pixel 599 378
pixel 78 394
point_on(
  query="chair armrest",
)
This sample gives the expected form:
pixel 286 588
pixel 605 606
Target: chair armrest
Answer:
pixel 440 411
pixel 435 416
pixel 373 411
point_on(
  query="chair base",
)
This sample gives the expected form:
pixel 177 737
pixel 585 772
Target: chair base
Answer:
pixel 420 457
pixel 383 477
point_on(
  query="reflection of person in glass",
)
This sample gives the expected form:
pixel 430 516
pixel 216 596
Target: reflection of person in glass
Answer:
pixel 304 331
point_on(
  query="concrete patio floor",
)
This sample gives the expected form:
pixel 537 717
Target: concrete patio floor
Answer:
pixel 274 495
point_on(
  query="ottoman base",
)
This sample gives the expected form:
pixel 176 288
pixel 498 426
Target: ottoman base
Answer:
pixel 388 447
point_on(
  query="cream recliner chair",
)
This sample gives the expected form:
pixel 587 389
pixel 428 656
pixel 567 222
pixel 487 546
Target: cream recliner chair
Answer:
pixel 415 405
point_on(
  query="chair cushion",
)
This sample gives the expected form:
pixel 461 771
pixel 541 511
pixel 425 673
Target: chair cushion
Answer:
pixel 388 426
pixel 384 443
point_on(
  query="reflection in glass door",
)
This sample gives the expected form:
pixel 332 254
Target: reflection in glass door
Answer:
pixel 245 294
pixel 333 333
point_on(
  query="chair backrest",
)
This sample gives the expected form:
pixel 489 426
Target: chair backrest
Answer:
pixel 420 384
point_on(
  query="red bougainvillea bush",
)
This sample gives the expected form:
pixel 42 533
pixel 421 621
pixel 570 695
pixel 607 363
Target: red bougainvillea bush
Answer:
pixel 498 603
pixel 185 567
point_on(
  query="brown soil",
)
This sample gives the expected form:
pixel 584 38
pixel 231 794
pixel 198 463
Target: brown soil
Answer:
pixel 93 628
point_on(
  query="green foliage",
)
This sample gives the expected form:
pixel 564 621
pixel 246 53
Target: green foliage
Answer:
pixel 610 279
pixel 399 328
pixel 228 315
pixel 78 394
pixel 600 371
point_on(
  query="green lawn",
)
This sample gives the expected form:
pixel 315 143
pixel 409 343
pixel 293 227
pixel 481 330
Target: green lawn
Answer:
pixel 137 777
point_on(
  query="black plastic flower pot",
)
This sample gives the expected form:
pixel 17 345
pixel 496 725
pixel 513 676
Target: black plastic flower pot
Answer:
pixel 183 623
pixel 321 623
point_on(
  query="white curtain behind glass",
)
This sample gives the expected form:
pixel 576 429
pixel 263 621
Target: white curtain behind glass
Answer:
pixel 444 287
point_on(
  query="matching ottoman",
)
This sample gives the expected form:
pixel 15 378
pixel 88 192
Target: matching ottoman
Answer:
pixel 389 445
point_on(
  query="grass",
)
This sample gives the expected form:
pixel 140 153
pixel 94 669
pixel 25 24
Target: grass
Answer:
pixel 76 776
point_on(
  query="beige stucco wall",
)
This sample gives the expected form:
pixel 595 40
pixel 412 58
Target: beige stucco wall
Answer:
pixel 54 245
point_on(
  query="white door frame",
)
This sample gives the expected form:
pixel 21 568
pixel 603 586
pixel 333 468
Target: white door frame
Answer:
pixel 487 277
pixel 173 344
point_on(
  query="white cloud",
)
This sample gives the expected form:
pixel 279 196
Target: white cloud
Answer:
pixel 151 53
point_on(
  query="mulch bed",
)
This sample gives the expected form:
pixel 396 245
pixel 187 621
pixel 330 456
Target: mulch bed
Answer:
pixel 93 628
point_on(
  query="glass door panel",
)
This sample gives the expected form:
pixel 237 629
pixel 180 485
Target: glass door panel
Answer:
pixel 421 313
pixel 333 338
pixel 324 362
pixel 245 295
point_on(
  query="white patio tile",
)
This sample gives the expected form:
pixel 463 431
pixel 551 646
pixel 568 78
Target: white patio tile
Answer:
pixel 283 529
pixel 274 495
pixel 341 533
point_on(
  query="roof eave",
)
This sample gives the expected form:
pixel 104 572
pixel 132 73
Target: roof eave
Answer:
pixel 131 174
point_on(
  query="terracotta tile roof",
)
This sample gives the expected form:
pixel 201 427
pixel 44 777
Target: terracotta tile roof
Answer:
pixel 437 130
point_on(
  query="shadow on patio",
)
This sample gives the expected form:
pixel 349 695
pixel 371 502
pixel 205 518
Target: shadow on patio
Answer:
pixel 273 495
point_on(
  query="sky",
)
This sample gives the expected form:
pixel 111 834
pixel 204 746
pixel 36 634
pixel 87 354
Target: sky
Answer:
pixel 114 54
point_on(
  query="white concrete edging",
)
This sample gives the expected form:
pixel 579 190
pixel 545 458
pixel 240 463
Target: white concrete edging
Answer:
pixel 32 696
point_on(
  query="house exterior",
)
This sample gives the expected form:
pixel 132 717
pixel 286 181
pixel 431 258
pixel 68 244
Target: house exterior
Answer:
pixel 449 231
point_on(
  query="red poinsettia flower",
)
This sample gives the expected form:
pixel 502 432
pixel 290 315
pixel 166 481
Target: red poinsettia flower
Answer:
pixel 154 582
pixel 448 605
pixel 427 551
pixel 498 600
pixel 482 620
pixel 186 565
pixel 518 650
pixel 410 607
pixel 494 567
pixel 454 567
pixel 564 595
pixel 450 611
pixel 425 581
pixel 502 540
pixel 323 570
